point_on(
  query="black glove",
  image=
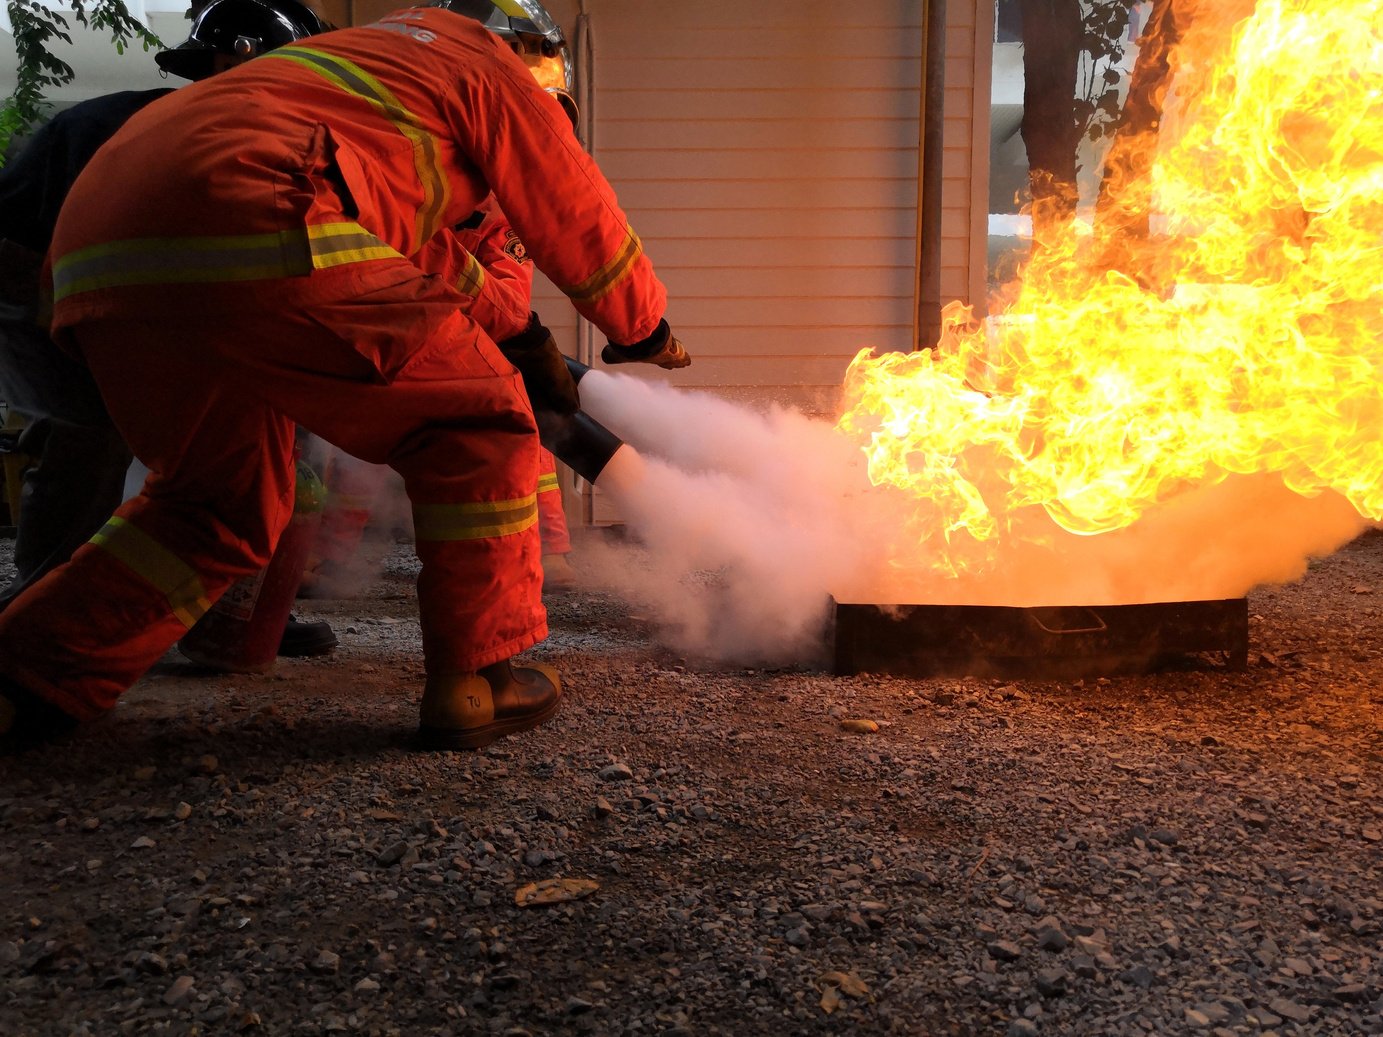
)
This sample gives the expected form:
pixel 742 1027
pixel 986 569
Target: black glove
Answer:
pixel 661 348
pixel 549 384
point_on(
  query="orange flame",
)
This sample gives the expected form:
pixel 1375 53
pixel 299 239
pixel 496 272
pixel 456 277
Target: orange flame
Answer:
pixel 1244 336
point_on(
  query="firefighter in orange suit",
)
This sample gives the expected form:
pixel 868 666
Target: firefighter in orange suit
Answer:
pixel 486 262
pixel 274 209
pixel 500 306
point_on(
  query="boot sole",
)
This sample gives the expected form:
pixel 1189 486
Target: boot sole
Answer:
pixel 479 737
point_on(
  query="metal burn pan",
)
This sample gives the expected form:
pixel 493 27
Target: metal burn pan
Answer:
pixel 1056 642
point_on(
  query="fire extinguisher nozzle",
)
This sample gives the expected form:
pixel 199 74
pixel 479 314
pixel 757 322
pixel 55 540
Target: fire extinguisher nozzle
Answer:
pixel 577 368
pixel 579 441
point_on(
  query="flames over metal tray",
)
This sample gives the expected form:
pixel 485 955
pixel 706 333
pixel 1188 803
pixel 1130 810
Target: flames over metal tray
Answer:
pixel 1057 642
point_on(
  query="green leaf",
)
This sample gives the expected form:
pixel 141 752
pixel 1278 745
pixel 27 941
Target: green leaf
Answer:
pixel 37 31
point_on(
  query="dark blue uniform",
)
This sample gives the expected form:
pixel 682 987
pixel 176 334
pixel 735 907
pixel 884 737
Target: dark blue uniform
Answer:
pixel 79 478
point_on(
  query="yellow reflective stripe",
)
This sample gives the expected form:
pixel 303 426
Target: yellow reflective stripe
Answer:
pixel 239 257
pixel 472 277
pixel 350 77
pixel 168 574
pixel 479 521
pixel 603 280
pixel 513 10
pixel 547 482
pixel 336 244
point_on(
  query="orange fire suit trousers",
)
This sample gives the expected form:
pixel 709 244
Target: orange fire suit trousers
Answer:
pixel 381 365
pixel 552 518
pixel 353 487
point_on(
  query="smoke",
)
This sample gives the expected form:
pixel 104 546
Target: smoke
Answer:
pixel 749 522
pixel 745 520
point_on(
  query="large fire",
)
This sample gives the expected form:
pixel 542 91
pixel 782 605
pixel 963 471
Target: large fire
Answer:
pixel 1242 340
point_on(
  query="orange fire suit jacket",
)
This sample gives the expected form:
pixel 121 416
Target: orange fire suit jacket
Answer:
pixel 486 262
pixel 353 146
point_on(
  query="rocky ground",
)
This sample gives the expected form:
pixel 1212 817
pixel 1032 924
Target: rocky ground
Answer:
pixel 1195 852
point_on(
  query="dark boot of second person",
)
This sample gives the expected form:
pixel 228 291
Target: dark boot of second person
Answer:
pixel 302 638
pixel 471 710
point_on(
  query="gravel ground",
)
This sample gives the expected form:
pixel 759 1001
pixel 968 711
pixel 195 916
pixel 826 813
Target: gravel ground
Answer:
pixel 1195 852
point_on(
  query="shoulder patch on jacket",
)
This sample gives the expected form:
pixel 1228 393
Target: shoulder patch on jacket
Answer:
pixel 513 248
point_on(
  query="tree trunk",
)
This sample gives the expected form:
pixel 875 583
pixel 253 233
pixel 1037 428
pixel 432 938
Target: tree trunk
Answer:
pixel 1125 191
pixel 1051 55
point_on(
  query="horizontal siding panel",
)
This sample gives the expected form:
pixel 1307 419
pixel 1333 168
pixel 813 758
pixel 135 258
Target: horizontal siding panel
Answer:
pixel 807 192
pixel 717 372
pixel 672 163
pixel 756 283
pixel 796 105
pixel 871 293
pixel 752 18
pixel 955 284
pixel 788 256
pixel 664 74
pixel 967 14
pixel 798 38
pixel 960 69
pixel 821 224
pixel 782 344
pixel 745 134
pixel 955 225
pixel 955 163
pixel 960 41
pixel 751 315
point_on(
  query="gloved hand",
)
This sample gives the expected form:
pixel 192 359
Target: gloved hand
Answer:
pixel 549 384
pixel 661 348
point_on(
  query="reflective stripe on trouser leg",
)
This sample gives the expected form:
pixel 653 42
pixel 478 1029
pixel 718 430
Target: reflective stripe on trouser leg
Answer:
pixel 387 370
pixel 211 512
pixel 457 543
pixel 399 377
pixel 552 519
pixel 81 636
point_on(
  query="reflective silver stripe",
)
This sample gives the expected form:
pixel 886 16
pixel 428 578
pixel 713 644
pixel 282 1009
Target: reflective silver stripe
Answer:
pixel 547 482
pixel 168 574
pixel 180 261
pixel 350 77
pixel 603 281
pixel 246 257
pixel 480 521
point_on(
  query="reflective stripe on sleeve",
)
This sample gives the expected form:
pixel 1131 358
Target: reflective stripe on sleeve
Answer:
pixel 472 277
pixel 547 482
pixel 480 521
pixel 350 77
pixel 168 574
pixel 243 257
pixel 336 244
pixel 604 280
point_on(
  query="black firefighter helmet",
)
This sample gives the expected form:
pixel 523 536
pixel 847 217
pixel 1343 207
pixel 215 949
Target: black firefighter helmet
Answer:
pixel 238 30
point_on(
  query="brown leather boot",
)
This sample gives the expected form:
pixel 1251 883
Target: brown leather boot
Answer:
pixel 471 710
